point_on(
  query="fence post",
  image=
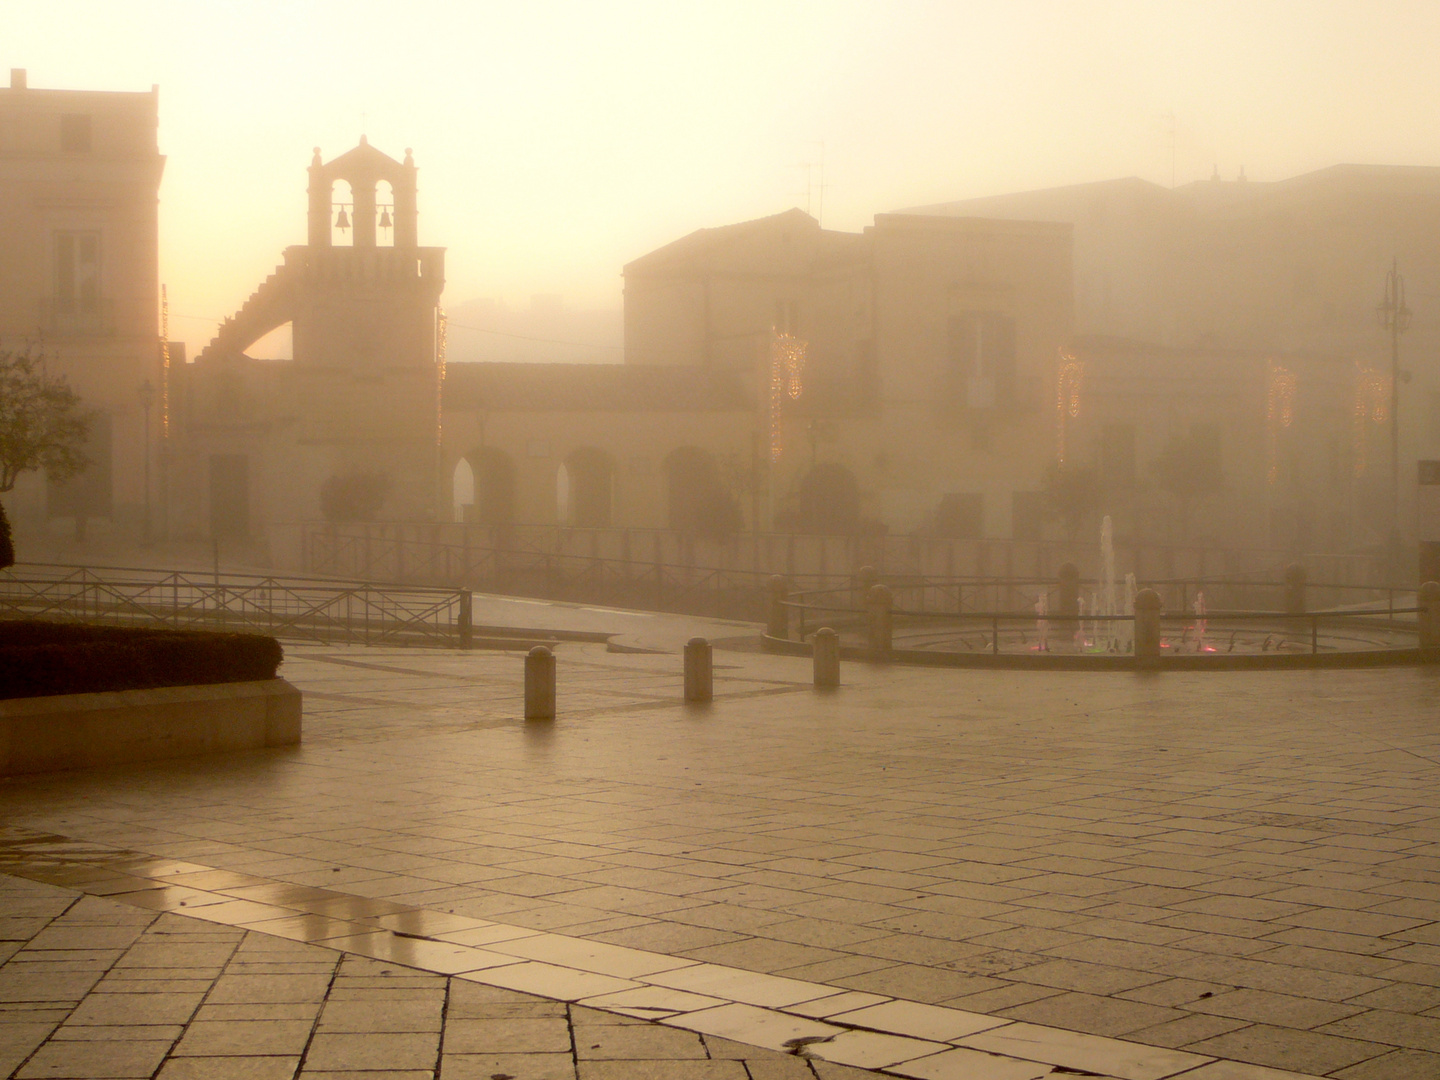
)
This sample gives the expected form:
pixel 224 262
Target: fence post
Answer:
pixel 466 626
pixel 1147 625
pixel 879 602
pixel 827 658
pixel 699 670
pixel 540 684
pixel 778 623
pixel 1429 615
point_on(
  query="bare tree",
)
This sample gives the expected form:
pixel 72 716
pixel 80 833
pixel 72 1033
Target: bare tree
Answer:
pixel 42 426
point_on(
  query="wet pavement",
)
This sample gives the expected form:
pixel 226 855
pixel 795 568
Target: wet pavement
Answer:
pixel 1005 873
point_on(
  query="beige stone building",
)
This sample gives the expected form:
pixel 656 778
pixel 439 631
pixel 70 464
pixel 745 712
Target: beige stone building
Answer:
pixel 1219 282
pixel 80 178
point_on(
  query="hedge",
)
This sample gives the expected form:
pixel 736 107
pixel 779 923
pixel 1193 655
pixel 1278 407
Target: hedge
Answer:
pixel 38 659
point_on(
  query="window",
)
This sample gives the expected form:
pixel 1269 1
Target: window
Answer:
pixel 75 133
pixel 982 356
pixel 77 273
pixel 1117 455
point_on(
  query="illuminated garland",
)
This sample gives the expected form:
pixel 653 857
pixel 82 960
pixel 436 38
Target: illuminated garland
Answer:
pixel 787 361
pixel 1372 405
pixel 164 364
pixel 1279 412
pixel 440 333
pixel 1067 400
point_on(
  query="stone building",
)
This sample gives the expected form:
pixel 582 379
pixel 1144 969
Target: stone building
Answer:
pixel 79 189
pixel 258 440
pixel 1219 284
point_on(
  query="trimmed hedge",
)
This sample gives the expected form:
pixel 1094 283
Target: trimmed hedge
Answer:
pixel 38 659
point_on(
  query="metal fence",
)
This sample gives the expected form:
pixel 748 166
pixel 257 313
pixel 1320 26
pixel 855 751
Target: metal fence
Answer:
pixel 291 608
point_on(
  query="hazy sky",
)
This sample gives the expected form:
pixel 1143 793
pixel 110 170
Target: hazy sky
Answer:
pixel 556 141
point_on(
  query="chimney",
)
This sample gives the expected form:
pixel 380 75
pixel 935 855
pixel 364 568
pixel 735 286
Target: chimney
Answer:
pixel 17 78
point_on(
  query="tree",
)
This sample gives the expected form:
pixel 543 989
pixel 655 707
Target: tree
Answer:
pixel 42 426
pixel 355 496
pixel 1074 494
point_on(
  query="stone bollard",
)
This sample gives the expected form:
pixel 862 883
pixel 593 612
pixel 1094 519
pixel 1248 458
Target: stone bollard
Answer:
pixel 1067 604
pixel 827 658
pixel 777 625
pixel 878 602
pixel 1147 624
pixel 1295 579
pixel 540 684
pixel 1429 615
pixel 699 670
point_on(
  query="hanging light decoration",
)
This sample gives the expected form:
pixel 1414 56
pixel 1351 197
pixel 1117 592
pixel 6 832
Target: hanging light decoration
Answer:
pixel 1372 406
pixel 164 364
pixel 1067 400
pixel 787 362
pixel 441 324
pixel 1279 412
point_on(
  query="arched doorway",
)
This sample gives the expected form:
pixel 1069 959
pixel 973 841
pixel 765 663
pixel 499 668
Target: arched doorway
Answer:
pixel 697 499
pixel 829 499
pixel 462 488
pixel 585 488
pixel 485 487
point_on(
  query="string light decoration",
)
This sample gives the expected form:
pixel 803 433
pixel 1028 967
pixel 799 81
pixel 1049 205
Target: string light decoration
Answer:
pixel 164 364
pixel 1068 383
pixel 1372 406
pixel 787 362
pixel 441 322
pixel 1279 412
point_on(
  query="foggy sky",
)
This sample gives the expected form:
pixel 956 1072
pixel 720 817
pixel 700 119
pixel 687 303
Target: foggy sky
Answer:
pixel 556 141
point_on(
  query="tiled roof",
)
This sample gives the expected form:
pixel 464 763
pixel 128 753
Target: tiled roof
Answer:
pixel 591 388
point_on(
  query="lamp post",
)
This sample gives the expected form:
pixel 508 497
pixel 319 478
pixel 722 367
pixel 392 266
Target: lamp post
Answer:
pixel 147 398
pixel 1394 318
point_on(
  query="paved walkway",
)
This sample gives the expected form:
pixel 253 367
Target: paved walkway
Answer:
pixel 1217 867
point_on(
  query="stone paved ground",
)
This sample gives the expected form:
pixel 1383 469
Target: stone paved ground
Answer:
pixel 1243 865
pixel 92 988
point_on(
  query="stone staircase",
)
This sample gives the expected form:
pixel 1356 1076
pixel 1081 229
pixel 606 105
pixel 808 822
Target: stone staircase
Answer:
pixel 269 306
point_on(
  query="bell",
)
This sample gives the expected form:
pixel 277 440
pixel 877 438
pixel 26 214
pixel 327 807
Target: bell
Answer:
pixel 385 217
pixel 343 221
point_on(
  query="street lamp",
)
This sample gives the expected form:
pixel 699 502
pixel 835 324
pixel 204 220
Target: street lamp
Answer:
pixel 147 398
pixel 1394 318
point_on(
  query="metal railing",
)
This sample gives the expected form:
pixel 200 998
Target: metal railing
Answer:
pixel 952 615
pixel 297 609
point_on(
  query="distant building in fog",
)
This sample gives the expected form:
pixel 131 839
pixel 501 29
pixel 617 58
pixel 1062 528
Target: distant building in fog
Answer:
pixel 1219 276
pixel 79 187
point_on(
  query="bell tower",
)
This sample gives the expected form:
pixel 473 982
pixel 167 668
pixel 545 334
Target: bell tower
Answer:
pixel 362 390
pixel 363 168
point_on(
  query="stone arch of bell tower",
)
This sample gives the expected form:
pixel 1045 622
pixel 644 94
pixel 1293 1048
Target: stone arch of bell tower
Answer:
pixel 363 168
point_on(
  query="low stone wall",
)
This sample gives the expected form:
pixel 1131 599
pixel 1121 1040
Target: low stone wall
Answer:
pixel 81 731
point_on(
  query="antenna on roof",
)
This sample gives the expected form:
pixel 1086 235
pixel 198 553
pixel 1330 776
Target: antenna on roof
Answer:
pixel 813 188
